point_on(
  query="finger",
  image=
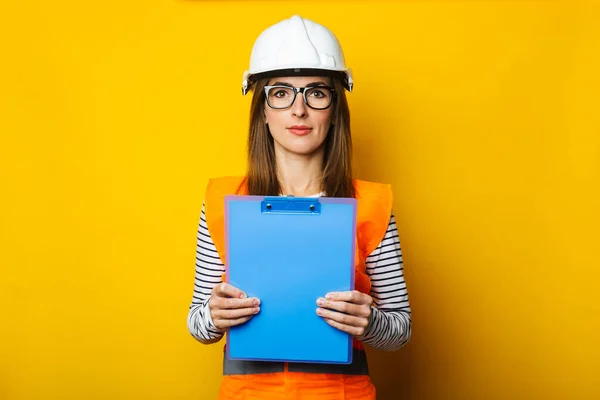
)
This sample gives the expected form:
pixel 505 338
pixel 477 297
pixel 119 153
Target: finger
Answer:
pixel 358 310
pixel 224 289
pixel 353 330
pixel 227 323
pixel 236 313
pixel 353 296
pixel 226 303
pixel 343 319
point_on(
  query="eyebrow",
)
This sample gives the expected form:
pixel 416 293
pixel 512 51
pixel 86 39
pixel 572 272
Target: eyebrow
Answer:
pixel 319 83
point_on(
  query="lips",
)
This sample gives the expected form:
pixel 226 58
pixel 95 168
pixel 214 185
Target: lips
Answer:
pixel 299 130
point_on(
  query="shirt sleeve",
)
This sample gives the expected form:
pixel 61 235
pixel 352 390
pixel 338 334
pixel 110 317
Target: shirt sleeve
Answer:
pixel 209 272
pixel 390 325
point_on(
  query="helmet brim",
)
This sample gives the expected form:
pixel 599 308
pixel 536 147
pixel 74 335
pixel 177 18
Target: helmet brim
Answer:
pixel 344 76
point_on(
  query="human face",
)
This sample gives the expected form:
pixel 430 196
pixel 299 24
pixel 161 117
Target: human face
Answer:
pixel 299 129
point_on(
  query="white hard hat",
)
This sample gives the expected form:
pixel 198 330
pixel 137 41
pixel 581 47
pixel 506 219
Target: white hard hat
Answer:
pixel 296 46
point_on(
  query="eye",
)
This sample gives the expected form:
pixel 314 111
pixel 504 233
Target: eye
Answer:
pixel 317 93
pixel 281 92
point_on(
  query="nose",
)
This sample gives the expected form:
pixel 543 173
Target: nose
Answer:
pixel 299 109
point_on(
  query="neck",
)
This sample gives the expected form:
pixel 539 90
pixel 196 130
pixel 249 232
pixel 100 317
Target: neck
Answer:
pixel 299 174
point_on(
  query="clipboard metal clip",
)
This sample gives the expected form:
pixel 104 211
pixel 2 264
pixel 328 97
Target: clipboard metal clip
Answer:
pixel 290 205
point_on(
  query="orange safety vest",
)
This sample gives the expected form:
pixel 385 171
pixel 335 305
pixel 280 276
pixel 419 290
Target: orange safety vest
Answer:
pixel 256 380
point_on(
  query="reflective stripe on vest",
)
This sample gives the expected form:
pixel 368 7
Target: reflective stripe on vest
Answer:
pixel 358 366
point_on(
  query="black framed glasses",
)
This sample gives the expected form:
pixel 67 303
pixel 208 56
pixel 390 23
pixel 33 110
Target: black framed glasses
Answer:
pixel 280 97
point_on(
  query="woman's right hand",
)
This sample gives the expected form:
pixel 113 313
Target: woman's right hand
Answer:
pixel 229 306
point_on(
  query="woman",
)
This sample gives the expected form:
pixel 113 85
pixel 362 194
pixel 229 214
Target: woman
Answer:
pixel 300 144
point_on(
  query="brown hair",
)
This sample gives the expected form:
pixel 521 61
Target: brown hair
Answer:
pixel 337 180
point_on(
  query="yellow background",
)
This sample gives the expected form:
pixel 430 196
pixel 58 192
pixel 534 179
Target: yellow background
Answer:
pixel 483 115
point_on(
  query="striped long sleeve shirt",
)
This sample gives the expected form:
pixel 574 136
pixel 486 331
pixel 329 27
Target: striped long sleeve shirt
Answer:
pixel 390 324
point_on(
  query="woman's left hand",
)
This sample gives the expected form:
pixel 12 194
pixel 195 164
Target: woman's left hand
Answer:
pixel 347 311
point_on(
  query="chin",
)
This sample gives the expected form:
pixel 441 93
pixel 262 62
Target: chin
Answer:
pixel 300 145
pixel 301 148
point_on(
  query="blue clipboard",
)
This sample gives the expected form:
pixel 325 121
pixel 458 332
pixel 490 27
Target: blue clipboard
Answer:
pixel 288 252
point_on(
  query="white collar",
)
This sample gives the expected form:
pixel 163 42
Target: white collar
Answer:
pixel 312 195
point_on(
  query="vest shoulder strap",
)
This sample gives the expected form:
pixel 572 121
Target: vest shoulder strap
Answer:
pixel 375 201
